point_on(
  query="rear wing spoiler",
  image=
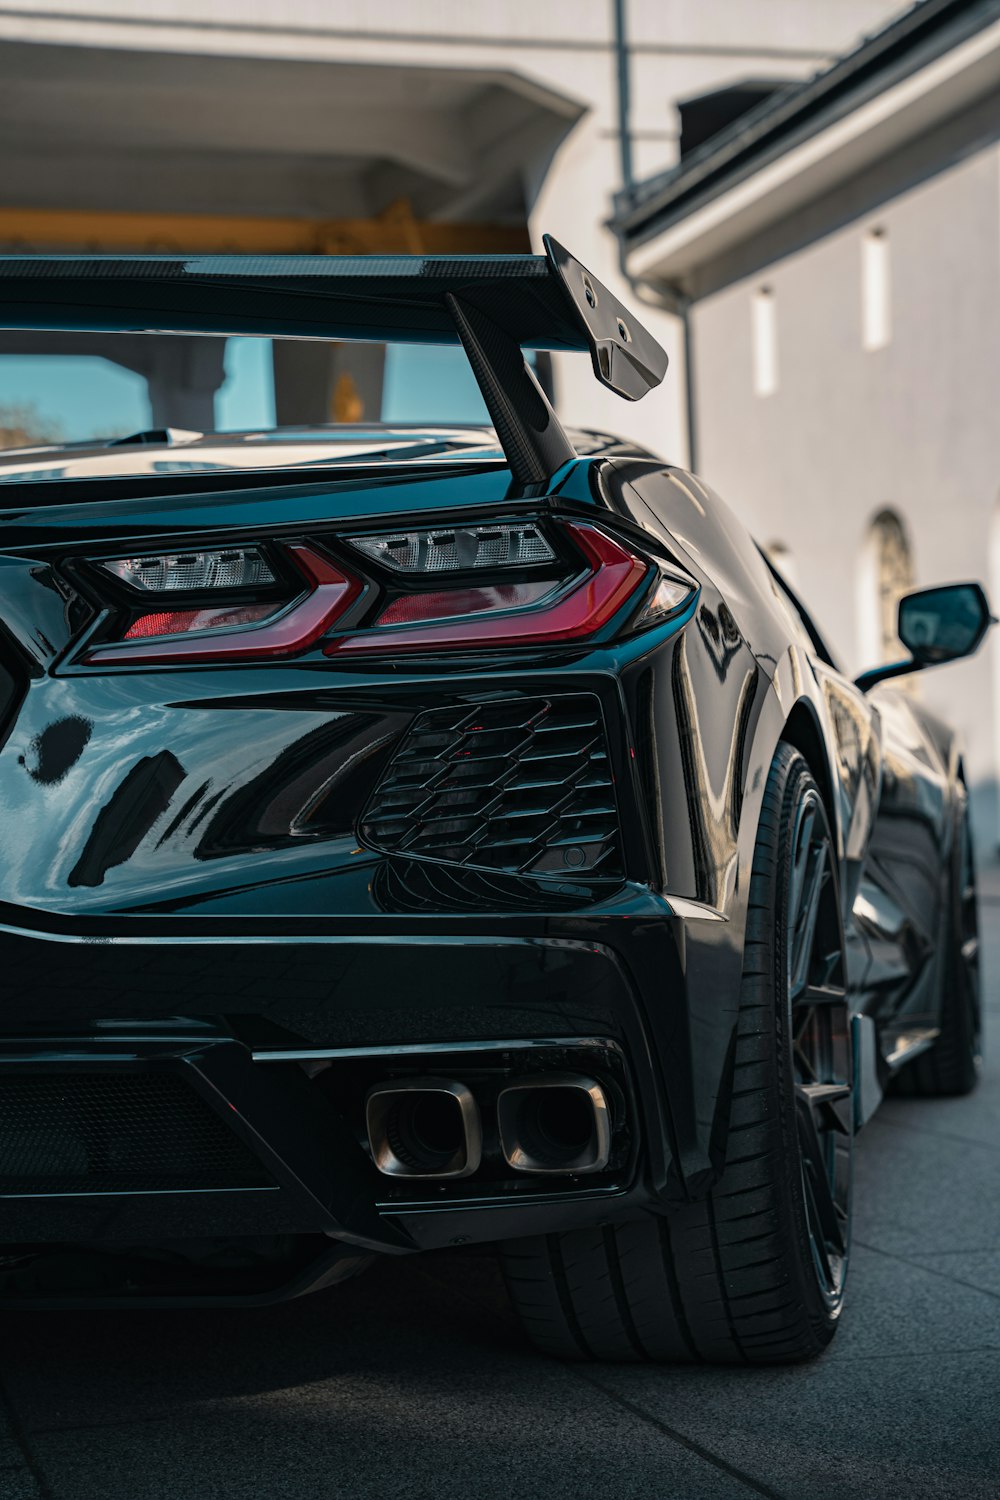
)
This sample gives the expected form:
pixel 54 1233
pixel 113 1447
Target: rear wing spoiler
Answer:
pixel 494 305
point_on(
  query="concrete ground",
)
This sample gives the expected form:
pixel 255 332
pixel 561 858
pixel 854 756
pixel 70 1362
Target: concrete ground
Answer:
pixel 414 1380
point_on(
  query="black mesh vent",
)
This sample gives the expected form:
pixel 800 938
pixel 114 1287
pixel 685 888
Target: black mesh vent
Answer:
pixel 524 787
pixel 115 1133
pixel 401 885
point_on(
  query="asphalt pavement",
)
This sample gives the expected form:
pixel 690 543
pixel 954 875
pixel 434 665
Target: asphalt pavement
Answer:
pixel 414 1380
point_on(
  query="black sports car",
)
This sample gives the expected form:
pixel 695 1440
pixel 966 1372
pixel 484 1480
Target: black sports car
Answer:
pixel 423 838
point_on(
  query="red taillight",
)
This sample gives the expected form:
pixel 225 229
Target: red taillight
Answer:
pixel 472 585
pixel 179 621
pixel 613 577
pixel 284 629
pixel 416 609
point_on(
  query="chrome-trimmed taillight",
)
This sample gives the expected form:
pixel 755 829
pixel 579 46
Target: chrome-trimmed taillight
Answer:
pixel 570 609
pixel 274 629
pixel 465 585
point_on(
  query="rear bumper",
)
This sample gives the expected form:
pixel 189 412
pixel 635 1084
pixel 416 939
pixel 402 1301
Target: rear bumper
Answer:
pixel 249 1016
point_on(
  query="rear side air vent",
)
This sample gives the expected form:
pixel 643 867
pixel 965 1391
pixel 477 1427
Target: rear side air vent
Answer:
pixel 522 787
pixel 419 886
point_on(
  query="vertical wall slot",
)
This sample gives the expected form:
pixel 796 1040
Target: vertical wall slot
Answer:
pixel 876 290
pixel 764 315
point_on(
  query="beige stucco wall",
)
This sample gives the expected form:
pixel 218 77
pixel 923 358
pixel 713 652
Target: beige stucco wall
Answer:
pixel 913 427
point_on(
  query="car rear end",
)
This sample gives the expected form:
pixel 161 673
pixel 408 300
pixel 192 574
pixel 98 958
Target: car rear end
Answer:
pixel 322 833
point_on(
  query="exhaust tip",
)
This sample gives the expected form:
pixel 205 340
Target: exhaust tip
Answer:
pixel 423 1127
pixel 560 1123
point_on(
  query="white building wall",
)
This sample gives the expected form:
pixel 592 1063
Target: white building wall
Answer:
pixel 912 426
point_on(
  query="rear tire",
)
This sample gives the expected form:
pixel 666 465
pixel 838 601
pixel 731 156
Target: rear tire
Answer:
pixel 753 1273
pixel 951 1066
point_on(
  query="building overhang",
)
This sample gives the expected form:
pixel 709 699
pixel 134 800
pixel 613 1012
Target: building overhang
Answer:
pixel 130 147
pixel 675 249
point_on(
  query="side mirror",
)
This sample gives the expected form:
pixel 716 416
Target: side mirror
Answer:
pixel 936 625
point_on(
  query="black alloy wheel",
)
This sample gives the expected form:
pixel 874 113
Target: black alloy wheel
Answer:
pixel 821 1043
pixel 754 1272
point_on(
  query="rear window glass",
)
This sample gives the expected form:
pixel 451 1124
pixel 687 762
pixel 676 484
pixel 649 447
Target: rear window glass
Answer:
pixel 75 388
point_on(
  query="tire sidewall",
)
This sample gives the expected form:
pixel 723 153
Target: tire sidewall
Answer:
pixel 796 785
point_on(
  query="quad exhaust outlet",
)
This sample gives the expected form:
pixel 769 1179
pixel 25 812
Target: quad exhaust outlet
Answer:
pixel 557 1123
pixel 547 1124
pixel 424 1127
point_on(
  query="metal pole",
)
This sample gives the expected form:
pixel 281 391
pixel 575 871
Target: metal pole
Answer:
pixel 624 97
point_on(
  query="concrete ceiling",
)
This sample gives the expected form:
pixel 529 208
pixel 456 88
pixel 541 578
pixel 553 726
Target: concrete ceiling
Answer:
pixel 107 129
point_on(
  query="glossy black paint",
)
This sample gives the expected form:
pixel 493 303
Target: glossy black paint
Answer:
pixel 184 884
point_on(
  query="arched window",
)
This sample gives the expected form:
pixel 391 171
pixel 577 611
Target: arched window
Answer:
pixel 886 574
